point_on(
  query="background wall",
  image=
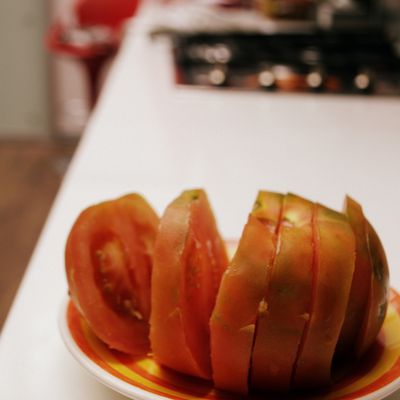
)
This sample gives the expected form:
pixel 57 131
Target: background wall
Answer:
pixel 24 83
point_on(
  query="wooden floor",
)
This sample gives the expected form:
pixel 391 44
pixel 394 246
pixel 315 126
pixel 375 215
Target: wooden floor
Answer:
pixel 30 175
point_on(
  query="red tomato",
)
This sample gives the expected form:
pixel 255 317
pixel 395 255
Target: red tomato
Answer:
pixel 378 292
pixel 189 260
pixel 108 263
pixel 268 208
pixel 334 258
pixel 242 290
pixel 281 324
pixel 360 286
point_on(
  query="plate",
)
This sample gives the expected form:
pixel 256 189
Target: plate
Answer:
pixel 374 377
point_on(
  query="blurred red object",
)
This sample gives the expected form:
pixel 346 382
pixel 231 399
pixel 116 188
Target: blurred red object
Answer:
pixel 110 13
pixel 94 38
pixel 286 8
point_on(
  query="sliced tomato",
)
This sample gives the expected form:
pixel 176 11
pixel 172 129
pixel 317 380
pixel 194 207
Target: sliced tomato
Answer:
pixel 378 292
pixel 281 323
pixel 361 283
pixel 189 260
pixel 334 258
pixel 242 289
pixel 268 208
pixel 108 263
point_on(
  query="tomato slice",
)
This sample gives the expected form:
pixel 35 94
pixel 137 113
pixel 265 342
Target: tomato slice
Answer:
pixel 334 258
pixel 242 289
pixel 378 292
pixel 268 208
pixel 108 263
pixel 361 283
pixel 189 260
pixel 281 324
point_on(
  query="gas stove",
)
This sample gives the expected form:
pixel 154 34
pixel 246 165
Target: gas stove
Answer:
pixel 347 62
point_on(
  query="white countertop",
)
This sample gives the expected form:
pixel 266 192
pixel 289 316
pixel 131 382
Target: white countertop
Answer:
pixel 151 137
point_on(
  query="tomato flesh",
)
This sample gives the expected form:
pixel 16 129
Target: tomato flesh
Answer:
pixel 189 260
pixel 333 267
pixel 108 264
pixel 287 299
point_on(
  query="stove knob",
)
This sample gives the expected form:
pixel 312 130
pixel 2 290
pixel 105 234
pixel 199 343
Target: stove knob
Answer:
pixel 315 80
pixel 217 77
pixel 363 81
pixel 266 79
pixel 222 54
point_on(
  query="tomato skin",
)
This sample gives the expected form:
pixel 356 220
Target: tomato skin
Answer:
pixel 369 295
pixel 268 208
pixel 361 282
pixel 108 265
pixel 233 320
pixel 288 299
pixel 334 258
pixel 242 289
pixel 189 260
pixel 378 292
